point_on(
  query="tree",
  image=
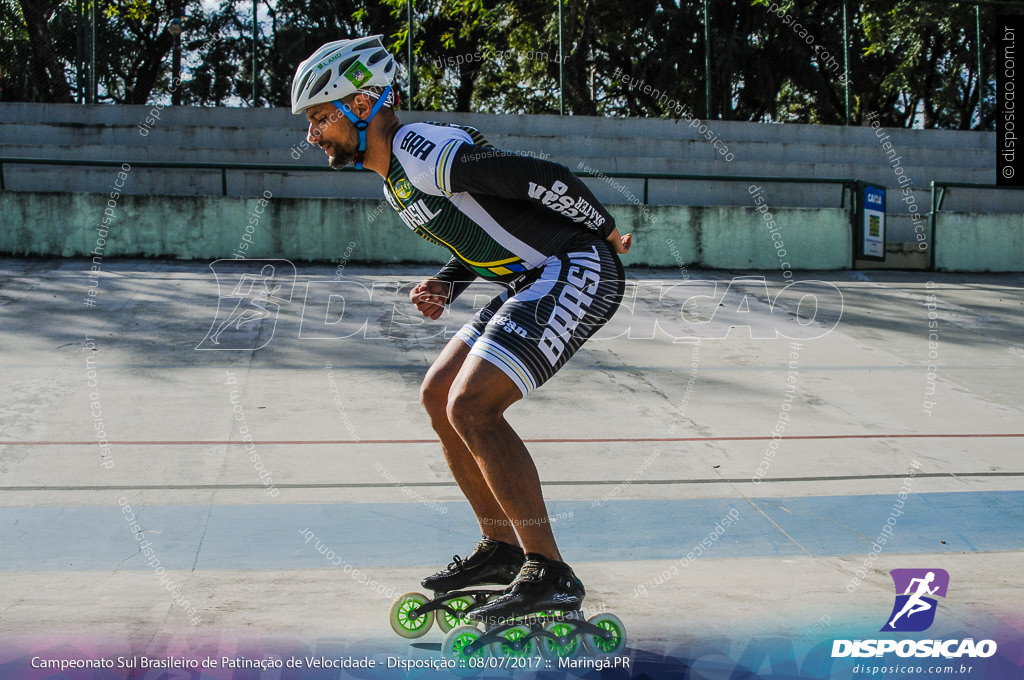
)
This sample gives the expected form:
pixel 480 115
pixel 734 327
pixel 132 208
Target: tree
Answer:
pixel 301 26
pixel 913 61
pixel 34 55
pixel 930 50
pixel 137 46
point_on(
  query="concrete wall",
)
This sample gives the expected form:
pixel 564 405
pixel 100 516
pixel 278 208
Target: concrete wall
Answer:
pixel 208 227
pixel 607 144
pixel 973 242
pixel 715 229
pixel 213 227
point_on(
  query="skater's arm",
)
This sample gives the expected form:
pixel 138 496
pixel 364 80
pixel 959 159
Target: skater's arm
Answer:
pixel 621 243
pixel 431 295
pixel 458 275
pixel 493 172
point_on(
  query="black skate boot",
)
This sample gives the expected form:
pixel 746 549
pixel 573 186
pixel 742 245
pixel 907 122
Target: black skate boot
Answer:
pixel 542 585
pixel 492 563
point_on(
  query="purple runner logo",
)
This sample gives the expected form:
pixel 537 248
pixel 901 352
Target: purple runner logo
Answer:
pixel 914 611
pixel 258 289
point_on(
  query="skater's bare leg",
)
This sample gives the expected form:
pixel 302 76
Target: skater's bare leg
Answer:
pixel 434 395
pixel 479 396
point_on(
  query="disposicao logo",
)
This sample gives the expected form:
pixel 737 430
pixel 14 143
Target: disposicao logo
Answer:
pixel 913 612
pixel 247 316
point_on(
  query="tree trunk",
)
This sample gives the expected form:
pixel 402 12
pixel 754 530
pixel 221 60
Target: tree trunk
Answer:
pixel 148 72
pixel 46 68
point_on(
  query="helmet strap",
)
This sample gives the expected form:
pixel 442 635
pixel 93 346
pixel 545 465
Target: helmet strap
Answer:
pixel 362 124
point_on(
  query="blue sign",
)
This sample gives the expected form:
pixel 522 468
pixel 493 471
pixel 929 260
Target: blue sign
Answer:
pixel 872 225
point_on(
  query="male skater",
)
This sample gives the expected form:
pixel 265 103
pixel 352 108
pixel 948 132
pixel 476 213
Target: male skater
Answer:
pixel 527 224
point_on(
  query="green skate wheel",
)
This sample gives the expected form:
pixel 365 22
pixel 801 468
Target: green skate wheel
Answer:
pixel 447 621
pixel 614 640
pixel 564 645
pixel 454 649
pixel 404 622
pixel 515 645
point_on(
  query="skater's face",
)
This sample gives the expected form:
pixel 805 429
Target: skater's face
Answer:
pixel 334 133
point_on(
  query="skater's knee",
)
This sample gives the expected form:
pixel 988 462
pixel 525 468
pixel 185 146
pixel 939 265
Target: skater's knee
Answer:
pixel 479 396
pixel 465 412
pixel 458 411
pixel 434 397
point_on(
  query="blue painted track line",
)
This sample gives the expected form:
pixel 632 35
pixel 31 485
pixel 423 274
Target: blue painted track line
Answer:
pixel 270 536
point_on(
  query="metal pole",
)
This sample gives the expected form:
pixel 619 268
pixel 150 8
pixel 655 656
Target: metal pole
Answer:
pixel 80 49
pixel 175 29
pixel 846 61
pixel 932 219
pixel 408 39
pixel 254 79
pixel 561 67
pixel 93 87
pixel 85 11
pixel 981 79
pixel 707 63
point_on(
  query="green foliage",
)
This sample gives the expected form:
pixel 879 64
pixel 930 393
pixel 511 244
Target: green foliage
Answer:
pixel 930 55
pixel 128 10
pixel 35 50
pixel 915 62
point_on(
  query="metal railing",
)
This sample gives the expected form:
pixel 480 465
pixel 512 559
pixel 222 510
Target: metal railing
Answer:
pixel 847 184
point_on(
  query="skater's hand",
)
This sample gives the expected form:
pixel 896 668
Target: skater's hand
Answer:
pixel 429 297
pixel 621 243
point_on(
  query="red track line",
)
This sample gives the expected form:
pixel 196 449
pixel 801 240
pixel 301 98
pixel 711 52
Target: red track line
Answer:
pixel 528 441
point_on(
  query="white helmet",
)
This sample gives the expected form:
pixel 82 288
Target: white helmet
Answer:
pixel 341 68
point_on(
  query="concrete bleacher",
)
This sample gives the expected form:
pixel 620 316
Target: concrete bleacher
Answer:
pixel 609 145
